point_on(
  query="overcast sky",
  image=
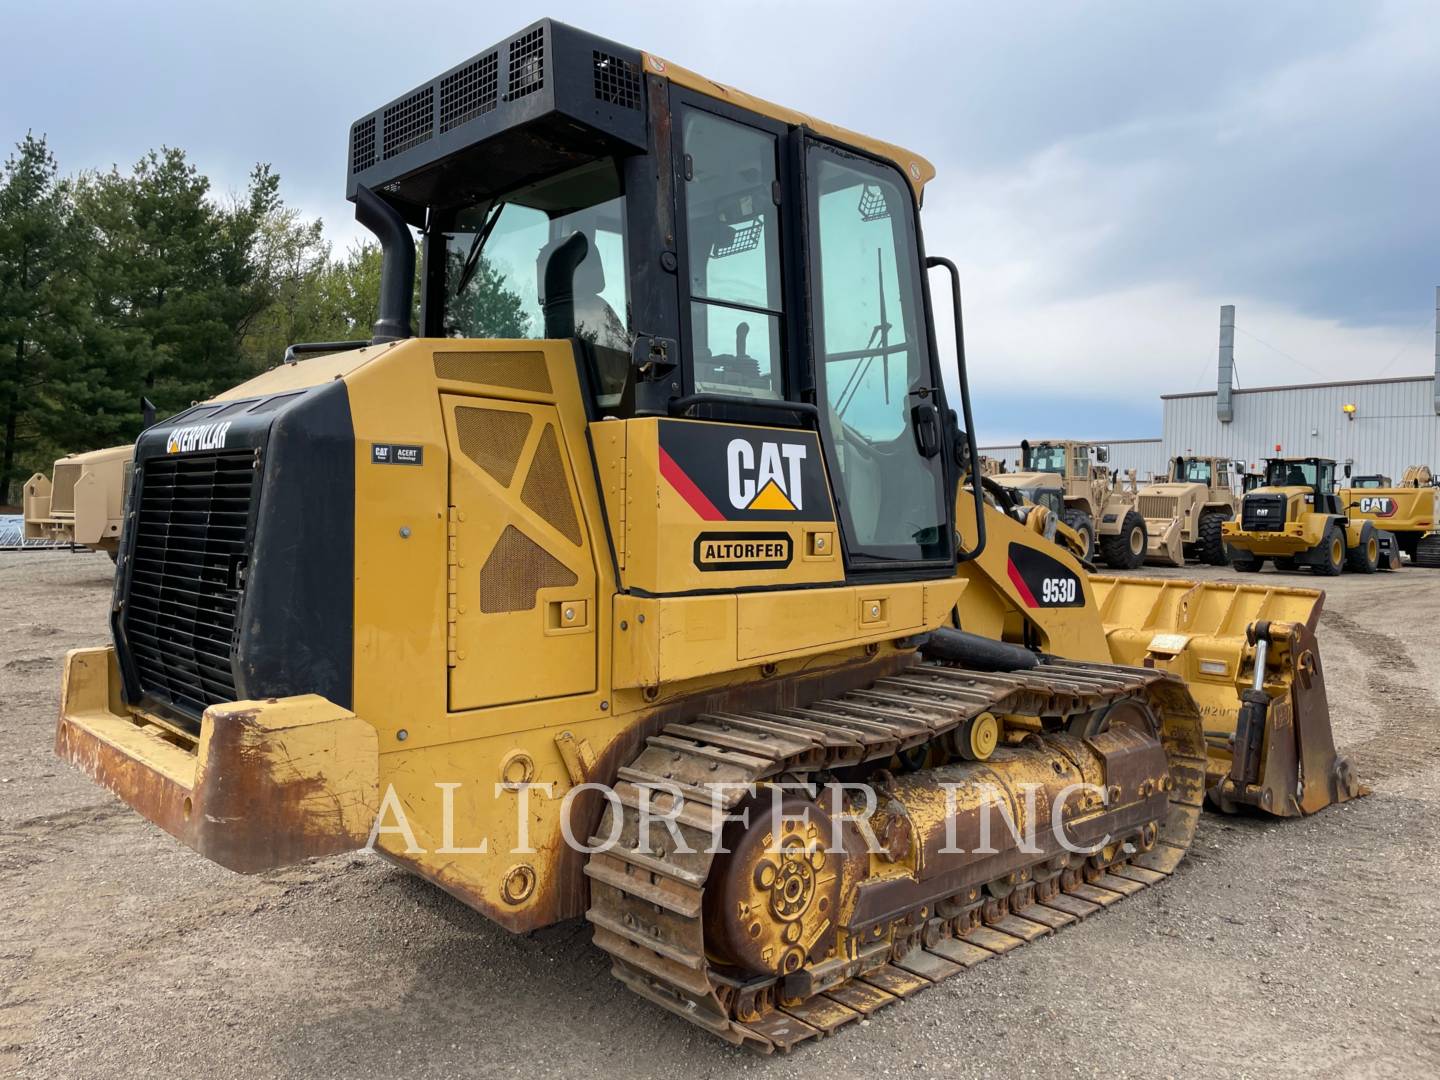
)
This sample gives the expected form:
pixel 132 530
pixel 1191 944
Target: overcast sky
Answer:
pixel 1109 173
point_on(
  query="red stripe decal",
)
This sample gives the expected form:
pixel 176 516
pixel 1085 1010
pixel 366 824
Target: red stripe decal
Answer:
pixel 1019 583
pixel 687 489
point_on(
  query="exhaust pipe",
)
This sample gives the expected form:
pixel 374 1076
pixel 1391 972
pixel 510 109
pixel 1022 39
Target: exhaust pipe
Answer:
pixel 397 265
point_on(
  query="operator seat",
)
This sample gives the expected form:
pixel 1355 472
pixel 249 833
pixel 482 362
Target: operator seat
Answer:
pixel 1296 477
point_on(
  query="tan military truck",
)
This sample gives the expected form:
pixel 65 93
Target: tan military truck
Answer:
pixel 1184 513
pixel 1092 501
pixel 1410 510
pixel 83 501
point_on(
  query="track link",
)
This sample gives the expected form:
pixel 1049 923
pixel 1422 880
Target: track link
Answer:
pixel 647 904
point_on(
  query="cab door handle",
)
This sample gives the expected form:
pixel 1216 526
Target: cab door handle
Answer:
pixel 925 419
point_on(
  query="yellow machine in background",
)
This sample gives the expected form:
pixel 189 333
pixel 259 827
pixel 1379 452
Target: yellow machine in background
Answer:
pixel 83 502
pixel 651 522
pixel 1297 519
pixel 1410 511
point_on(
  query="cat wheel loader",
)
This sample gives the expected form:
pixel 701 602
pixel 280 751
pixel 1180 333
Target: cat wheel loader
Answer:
pixel 1409 511
pixel 649 584
pixel 1093 504
pixel 1184 514
pixel 82 501
pixel 1297 518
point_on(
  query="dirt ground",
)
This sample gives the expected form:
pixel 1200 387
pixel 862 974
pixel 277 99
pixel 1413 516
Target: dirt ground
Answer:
pixel 1279 949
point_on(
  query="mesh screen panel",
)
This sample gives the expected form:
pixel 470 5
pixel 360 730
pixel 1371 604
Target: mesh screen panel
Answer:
pixel 546 490
pixel 522 371
pixel 493 439
pixel 516 570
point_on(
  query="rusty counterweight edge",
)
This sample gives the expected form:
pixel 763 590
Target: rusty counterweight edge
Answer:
pixel 666 961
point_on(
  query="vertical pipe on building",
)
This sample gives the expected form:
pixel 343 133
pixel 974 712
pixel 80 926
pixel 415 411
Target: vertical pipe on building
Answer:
pixel 1224 406
pixel 1437 350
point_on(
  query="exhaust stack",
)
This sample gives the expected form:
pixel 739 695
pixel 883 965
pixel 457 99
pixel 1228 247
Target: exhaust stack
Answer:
pixel 397 266
pixel 1224 403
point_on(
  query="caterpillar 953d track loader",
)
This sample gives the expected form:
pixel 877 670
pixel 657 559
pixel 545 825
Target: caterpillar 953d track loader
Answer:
pixel 664 518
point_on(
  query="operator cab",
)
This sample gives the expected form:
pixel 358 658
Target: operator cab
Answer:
pixel 1313 473
pixel 708 261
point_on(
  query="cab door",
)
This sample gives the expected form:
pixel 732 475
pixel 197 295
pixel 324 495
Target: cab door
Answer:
pixel 876 383
pixel 521 570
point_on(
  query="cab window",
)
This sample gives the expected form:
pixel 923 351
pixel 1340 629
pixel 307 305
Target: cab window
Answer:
pixel 1197 472
pixel 496 253
pixel 733 239
pixel 1047 458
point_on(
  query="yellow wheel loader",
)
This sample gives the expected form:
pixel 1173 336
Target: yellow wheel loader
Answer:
pixel 1085 494
pixel 1297 519
pixel 83 500
pixel 1185 514
pixel 647 584
pixel 1409 511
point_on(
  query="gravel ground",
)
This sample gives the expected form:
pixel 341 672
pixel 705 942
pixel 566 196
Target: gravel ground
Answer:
pixel 1279 949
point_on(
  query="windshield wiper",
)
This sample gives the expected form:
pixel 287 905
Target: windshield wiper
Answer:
pixel 472 257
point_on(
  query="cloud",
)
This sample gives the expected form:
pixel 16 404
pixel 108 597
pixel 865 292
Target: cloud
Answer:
pixel 1110 173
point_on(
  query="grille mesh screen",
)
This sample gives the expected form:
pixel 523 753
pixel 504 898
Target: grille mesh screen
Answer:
pixel 527 63
pixel 470 92
pixel 186 571
pixel 521 371
pixel 1158 506
pixel 62 493
pixel 493 439
pixel 362 145
pixel 410 122
pixel 617 81
pixel 546 490
pixel 516 570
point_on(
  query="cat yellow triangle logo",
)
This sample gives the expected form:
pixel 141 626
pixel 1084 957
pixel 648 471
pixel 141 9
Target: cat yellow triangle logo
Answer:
pixel 771 498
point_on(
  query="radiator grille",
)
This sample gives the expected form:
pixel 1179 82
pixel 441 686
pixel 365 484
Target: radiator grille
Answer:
pixel 410 122
pixel 1263 513
pixel 527 63
pixel 470 92
pixel 186 574
pixel 62 491
pixel 1158 506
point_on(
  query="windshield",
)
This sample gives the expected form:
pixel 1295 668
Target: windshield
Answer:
pixel 496 253
pixel 1371 482
pixel 1047 458
pixel 1197 472
pixel 1291 474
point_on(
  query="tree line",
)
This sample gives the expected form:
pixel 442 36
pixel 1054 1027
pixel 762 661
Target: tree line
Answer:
pixel 122 285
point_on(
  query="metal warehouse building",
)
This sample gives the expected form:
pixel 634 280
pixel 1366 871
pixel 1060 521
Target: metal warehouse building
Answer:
pixel 1374 425
pixel 1380 426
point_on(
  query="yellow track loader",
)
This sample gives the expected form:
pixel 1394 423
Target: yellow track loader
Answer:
pixel 647 583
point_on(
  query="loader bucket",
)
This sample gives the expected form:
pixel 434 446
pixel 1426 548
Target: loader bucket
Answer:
pixel 1210 634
